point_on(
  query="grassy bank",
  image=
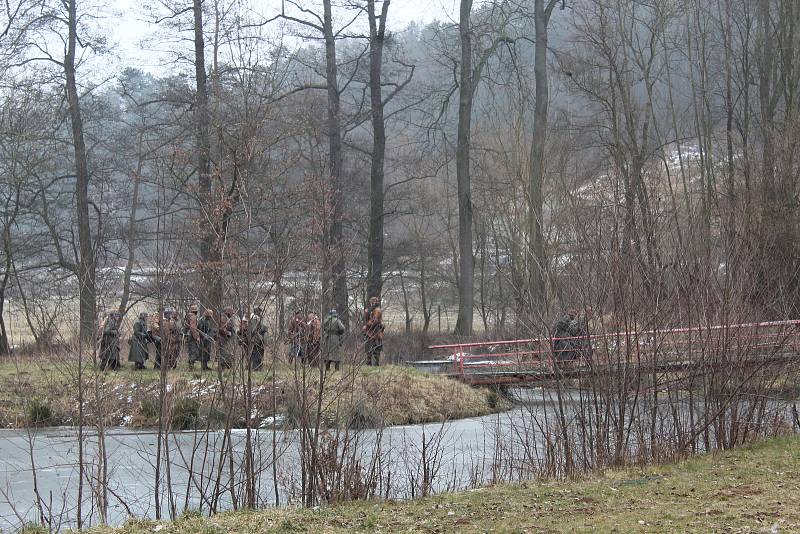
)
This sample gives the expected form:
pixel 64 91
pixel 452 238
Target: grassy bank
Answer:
pixel 751 489
pixel 44 392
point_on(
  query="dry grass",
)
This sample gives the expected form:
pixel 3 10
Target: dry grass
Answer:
pixel 751 489
pixel 387 395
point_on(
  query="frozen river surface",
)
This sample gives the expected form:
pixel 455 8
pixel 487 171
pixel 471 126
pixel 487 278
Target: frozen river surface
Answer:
pixel 464 453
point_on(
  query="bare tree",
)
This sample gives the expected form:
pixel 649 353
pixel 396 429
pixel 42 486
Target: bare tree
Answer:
pixel 334 272
pixel 377 38
pixel 470 73
pixel 537 257
pixel 208 250
pixel 86 261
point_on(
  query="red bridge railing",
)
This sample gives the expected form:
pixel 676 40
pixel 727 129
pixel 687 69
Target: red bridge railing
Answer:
pixel 662 345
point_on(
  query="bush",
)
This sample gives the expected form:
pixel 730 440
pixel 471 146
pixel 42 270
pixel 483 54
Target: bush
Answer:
pixel 191 513
pixel 497 395
pixel 150 408
pixel 39 412
pixel 32 528
pixel 185 412
pixel 364 415
pixel 294 409
pixel 491 399
pixel 216 417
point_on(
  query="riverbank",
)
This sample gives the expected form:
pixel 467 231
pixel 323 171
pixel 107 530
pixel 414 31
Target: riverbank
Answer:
pixel 749 489
pixel 44 393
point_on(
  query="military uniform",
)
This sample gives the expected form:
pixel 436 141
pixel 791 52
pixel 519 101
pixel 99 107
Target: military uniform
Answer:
pixel 170 341
pixel 109 342
pixel 227 339
pixel 141 338
pixel 313 339
pixel 207 328
pixel 333 329
pixel 252 335
pixel 296 334
pixel 373 332
pixel 191 336
pixel 569 349
pixel 155 334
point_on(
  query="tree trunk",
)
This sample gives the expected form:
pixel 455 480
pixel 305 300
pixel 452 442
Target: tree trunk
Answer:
pixel 423 295
pixel 406 306
pixel 536 253
pixel 336 269
pixel 376 41
pixel 126 278
pixel 730 233
pixel 466 282
pixel 209 254
pixel 5 346
pixel 765 88
pixel 86 263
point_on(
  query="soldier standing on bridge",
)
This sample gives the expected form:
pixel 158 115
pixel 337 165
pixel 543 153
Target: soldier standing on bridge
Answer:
pixel 566 328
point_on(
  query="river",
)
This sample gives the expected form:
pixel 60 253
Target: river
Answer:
pixel 459 454
pixel 406 460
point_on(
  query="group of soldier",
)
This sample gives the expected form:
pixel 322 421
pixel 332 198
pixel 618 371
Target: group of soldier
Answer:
pixel 309 339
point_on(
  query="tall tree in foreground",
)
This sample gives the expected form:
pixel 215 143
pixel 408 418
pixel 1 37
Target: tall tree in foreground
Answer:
pixel 497 19
pixel 86 261
pixel 336 270
pixel 466 262
pixel 334 283
pixel 377 34
pixel 377 44
pixel 209 254
pixel 537 259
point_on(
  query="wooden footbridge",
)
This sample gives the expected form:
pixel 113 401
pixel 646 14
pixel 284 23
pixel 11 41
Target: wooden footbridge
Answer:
pixel 698 349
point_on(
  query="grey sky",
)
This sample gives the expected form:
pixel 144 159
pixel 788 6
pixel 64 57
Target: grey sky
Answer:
pixel 128 29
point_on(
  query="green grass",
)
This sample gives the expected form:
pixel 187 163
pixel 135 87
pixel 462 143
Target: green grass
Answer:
pixel 751 489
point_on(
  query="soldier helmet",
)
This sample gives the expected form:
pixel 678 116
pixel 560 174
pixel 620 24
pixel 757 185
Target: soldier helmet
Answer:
pixel 228 310
pixel 374 300
pixel 333 312
pixel 193 308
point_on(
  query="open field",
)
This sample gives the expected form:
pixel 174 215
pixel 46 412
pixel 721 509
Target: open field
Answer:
pixel 386 395
pixel 750 489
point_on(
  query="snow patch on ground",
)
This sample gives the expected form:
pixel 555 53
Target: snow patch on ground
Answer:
pixel 270 421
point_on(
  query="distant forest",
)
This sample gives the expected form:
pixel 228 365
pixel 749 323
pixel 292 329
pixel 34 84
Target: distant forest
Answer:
pixel 631 159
